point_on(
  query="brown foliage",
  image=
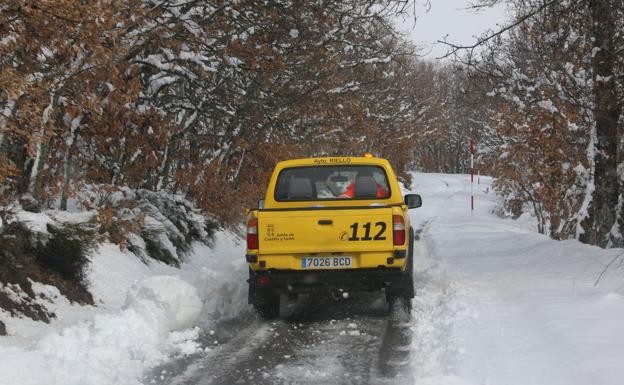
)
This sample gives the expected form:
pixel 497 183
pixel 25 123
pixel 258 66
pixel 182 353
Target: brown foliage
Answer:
pixel 202 101
pixel 537 166
pixel 64 61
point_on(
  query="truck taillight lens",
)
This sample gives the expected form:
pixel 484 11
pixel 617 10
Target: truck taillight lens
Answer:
pixel 252 234
pixel 398 230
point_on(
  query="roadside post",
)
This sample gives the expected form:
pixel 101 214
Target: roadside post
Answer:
pixel 472 151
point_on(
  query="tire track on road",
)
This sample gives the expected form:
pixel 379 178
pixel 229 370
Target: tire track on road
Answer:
pixel 323 341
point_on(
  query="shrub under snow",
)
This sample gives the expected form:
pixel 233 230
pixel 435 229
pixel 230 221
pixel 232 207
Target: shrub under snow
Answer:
pixel 158 225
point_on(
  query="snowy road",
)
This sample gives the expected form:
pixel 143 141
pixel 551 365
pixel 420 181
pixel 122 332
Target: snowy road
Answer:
pixel 496 304
pixel 321 341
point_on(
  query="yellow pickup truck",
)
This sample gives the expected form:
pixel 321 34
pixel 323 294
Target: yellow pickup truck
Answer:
pixel 333 225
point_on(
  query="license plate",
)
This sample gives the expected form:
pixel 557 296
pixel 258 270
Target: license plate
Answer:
pixel 338 262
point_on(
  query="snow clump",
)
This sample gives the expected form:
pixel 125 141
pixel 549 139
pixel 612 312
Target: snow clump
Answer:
pixel 176 302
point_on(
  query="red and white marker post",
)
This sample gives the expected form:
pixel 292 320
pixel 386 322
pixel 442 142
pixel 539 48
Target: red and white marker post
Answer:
pixel 472 152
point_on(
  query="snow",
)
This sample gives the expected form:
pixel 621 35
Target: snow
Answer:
pixel 377 60
pixel 498 303
pixel 110 348
pixel 351 86
pixel 6 40
pixel 34 221
pixel 145 314
pixel 38 222
pixel 548 105
pixel 169 297
pixel 113 272
pixel 159 81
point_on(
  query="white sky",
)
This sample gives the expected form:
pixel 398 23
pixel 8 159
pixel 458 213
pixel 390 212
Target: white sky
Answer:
pixel 448 19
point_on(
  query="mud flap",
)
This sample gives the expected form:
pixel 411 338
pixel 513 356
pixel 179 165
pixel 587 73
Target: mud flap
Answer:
pixel 265 301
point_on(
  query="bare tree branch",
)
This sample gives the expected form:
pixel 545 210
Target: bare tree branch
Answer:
pixel 604 271
pixel 454 48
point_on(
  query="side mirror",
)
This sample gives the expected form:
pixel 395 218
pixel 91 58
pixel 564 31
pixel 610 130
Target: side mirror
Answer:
pixel 261 204
pixel 413 201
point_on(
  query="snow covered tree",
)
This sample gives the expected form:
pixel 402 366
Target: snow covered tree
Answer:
pixel 295 74
pixel 62 78
pixel 199 98
pixel 557 121
pixel 603 224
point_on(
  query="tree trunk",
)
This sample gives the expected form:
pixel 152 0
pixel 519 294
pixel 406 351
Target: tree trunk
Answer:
pixel 67 164
pixel 43 147
pixel 166 168
pixel 602 210
pixel 36 181
pixel 4 116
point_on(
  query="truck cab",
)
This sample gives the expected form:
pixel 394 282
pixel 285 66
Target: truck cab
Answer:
pixel 330 225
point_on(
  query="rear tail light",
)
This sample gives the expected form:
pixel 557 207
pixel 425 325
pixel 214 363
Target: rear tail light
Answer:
pixel 398 230
pixel 252 234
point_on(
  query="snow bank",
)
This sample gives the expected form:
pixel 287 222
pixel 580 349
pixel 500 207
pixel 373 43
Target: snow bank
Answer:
pixel 498 303
pixel 146 314
pixel 149 295
pixel 173 300
pixel 112 348
pixel 443 380
pixel 220 275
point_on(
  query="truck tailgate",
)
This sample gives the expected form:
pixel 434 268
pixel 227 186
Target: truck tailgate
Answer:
pixel 325 231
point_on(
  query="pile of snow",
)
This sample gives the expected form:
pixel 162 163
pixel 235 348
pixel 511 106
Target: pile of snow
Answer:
pixel 112 347
pixel 173 302
pixel 145 314
pixel 218 273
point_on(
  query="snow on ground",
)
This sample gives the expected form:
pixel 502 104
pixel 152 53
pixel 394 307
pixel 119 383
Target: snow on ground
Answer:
pixel 499 304
pixel 496 304
pixel 144 315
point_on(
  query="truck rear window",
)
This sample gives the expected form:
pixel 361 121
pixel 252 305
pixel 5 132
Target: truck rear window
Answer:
pixel 331 183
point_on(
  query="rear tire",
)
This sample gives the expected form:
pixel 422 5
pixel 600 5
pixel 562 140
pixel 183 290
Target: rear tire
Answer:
pixel 409 291
pixel 400 299
pixel 399 305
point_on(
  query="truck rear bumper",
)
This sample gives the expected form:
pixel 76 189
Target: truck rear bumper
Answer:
pixel 350 280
